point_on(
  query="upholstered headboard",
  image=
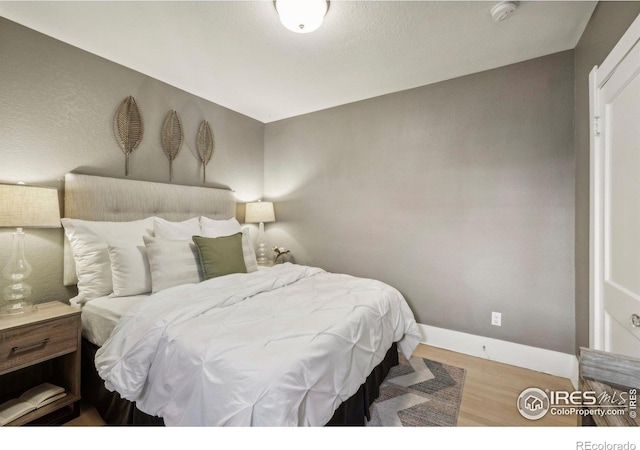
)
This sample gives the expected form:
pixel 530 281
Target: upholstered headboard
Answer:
pixel 90 197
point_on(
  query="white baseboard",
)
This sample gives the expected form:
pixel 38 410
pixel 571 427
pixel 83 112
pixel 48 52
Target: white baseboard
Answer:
pixel 547 361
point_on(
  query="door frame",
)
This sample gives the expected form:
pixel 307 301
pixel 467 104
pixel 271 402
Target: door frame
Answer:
pixel 597 79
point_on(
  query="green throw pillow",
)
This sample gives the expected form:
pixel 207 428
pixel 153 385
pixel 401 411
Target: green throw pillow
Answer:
pixel 220 256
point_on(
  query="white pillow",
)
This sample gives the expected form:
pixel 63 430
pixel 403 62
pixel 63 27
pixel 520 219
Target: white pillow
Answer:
pixel 172 262
pixel 90 240
pixel 218 228
pixel 248 252
pixel 166 229
pixel 130 271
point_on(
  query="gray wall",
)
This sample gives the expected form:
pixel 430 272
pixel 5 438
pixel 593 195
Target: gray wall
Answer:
pixel 459 194
pixel 57 105
pixel 607 25
pixel 456 193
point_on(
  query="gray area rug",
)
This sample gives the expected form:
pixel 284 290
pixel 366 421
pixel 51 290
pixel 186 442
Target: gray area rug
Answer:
pixel 419 393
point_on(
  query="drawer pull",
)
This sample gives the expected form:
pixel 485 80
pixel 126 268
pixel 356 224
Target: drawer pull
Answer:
pixel 635 320
pixel 24 348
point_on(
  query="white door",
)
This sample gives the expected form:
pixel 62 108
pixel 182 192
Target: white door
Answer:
pixel 615 200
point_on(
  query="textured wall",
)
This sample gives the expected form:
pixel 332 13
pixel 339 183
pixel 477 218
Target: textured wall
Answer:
pixel 459 194
pixel 57 105
pixel 607 25
pixel 445 170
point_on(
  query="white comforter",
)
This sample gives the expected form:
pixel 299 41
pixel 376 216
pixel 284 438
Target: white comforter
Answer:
pixel 279 347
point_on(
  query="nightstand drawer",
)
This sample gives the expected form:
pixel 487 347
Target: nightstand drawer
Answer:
pixel 38 342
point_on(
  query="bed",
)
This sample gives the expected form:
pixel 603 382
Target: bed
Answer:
pixel 195 342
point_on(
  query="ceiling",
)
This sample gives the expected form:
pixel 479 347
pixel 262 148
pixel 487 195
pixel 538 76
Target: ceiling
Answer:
pixel 238 55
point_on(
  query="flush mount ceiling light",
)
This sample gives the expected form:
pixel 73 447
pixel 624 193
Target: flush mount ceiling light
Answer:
pixel 503 10
pixel 302 16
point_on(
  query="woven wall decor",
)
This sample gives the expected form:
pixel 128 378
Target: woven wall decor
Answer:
pixel 129 128
pixel 205 145
pixel 172 136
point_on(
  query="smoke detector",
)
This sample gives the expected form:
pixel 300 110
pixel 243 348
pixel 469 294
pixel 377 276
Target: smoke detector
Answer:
pixel 503 10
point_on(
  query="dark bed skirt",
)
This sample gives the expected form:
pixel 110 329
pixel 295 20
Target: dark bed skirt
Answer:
pixel 116 411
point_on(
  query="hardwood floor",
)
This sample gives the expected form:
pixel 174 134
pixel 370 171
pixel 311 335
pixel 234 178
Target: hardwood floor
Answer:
pixel 88 417
pixel 491 390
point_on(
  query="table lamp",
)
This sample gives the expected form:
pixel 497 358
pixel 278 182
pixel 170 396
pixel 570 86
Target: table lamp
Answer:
pixel 24 206
pixel 260 212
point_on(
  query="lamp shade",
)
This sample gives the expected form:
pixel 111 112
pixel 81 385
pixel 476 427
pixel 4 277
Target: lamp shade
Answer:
pixel 301 16
pixel 257 212
pixel 29 206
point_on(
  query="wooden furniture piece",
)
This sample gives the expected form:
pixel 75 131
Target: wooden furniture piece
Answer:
pixel 614 377
pixel 43 346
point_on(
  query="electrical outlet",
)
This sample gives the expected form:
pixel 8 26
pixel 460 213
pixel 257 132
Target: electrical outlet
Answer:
pixel 496 319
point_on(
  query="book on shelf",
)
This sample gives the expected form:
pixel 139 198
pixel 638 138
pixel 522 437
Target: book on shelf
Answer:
pixel 34 398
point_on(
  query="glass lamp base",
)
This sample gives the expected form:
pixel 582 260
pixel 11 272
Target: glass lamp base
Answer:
pixel 15 308
pixel 261 254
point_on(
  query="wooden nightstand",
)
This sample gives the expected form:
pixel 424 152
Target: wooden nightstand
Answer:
pixel 38 347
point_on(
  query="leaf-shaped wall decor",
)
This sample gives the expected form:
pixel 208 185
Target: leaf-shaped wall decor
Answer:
pixel 129 128
pixel 205 146
pixel 172 136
